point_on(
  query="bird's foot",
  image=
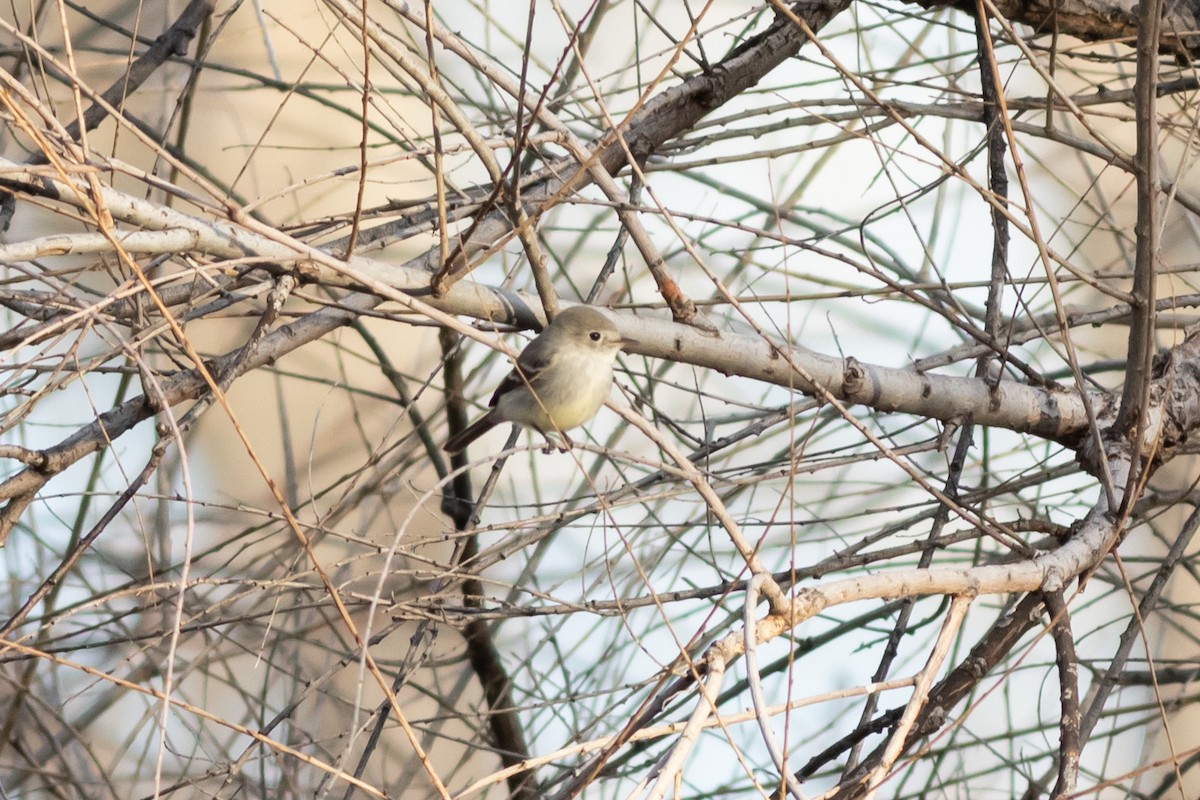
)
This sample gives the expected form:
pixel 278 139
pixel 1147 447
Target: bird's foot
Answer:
pixel 563 445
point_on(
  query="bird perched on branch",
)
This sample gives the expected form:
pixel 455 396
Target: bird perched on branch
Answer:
pixel 560 381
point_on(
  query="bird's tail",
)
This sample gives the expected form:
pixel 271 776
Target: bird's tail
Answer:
pixel 469 434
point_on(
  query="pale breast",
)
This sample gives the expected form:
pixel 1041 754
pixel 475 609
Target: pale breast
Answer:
pixel 571 390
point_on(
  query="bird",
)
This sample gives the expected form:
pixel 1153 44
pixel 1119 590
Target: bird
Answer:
pixel 560 381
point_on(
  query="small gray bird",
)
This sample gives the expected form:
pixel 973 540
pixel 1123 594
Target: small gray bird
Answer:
pixel 561 379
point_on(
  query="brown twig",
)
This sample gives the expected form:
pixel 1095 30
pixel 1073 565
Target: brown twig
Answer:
pixel 991 649
pixel 1065 658
pixel 1139 372
pixel 172 43
pixel 654 122
pixel 892 647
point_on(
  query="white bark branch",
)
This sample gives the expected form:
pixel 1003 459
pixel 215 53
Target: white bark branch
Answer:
pixel 1057 415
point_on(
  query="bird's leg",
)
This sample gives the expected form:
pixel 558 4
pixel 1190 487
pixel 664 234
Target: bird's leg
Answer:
pixel 563 445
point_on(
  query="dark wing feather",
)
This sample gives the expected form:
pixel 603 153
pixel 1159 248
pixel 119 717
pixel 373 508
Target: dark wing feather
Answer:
pixel 531 361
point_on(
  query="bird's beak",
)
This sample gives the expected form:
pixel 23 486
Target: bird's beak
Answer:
pixel 625 342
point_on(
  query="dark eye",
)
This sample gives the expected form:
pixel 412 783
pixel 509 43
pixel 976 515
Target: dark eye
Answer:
pixel 594 336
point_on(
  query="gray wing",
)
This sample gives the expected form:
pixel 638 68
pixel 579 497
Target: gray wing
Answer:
pixel 533 360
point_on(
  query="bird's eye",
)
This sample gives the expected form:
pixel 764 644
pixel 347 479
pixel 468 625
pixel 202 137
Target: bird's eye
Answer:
pixel 594 336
